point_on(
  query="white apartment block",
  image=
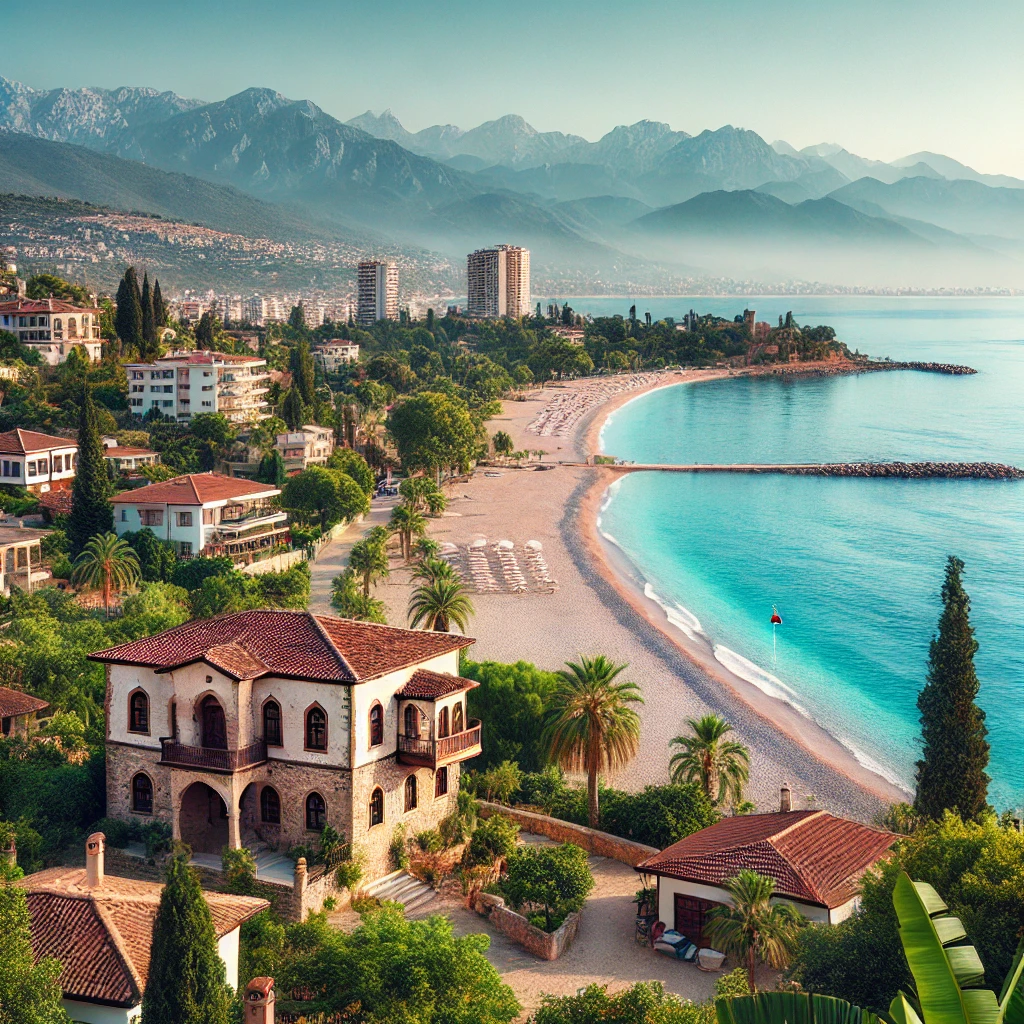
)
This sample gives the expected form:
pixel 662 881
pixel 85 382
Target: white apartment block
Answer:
pixel 310 446
pixel 378 292
pixel 53 327
pixel 336 353
pixel 183 384
pixel 254 311
pixel 498 282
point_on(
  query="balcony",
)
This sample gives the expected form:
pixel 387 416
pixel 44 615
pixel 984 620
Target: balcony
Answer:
pixel 427 753
pixel 211 759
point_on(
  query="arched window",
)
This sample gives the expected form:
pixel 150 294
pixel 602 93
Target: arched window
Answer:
pixel 272 724
pixel 72 327
pixel 442 723
pixel 458 725
pixel 316 728
pixel 376 725
pixel 138 712
pixel 142 794
pixel 215 732
pixel 316 812
pixel 440 782
pixel 412 721
pixel 270 806
pixel 58 325
pixel 377 807
pixel 410 793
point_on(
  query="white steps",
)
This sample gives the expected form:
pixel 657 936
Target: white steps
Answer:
pixel 401 887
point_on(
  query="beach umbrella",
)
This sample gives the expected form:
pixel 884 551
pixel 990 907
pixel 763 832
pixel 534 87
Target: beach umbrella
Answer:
pixel 776 621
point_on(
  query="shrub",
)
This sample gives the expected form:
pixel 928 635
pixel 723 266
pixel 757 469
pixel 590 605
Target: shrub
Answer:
pixel 645 1003
pixel 659 815
pixel 494 837
pixel 735 983
pixel 553 879
pixel 501 782
pixel 397 850
pixel 239 868
pixel 430 841
pixel 61 568
pixel 348 874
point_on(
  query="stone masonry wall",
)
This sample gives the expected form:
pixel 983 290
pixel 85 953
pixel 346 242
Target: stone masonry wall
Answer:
pixel 123 763
pixel 602 844
pixel 546 945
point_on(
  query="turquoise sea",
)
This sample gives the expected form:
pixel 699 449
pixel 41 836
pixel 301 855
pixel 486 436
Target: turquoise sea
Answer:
pixel 853 566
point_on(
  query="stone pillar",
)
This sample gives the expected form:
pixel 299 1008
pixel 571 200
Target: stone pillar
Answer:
pixel 10 855
pixel 234 827
pixel 299 888
pixel 259 1001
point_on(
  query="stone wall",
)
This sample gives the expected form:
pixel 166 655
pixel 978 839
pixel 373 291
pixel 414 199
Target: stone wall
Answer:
pixel 601 844
pixel 123 763
pixel 546 945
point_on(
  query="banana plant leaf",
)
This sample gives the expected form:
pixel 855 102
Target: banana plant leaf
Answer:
pixel 1011 1000
pixel 790 1008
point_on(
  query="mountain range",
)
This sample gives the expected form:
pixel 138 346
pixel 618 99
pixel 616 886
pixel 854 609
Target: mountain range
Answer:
pixel 643 201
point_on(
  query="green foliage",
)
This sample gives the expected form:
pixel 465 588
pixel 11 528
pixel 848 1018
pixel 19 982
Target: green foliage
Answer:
pixel 735 983
pixel 351 603
pixel 510 705
pixel 239 867
pixel 128 320
pixel 433 431
pixel 293 411
pixel 107 561
pixel 156 835
pixel 951 774
pixel 91 513
pixel 237 591
pixel 398 849
pixel 190 575
pixel 553 879
pixel 186 983
pixel 646 1002
pixel 300 363
pixel 430 841
pixel 979 869
pixel 348 874
pixel 272 469
pixel 657 815
pixel 786 1007
pixel 440 604
pixel 354 465
pixel 368 558
pixel 157 560
pixel 326 496
pixel 493 838
pixel 720 766
pixel 501 782
pixel 30 992
pixel 49 286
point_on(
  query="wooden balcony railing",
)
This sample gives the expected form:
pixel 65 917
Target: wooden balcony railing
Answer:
pixel 447 748
pixel 211 758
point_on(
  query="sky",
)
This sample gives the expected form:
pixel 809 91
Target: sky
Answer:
pixel 884 78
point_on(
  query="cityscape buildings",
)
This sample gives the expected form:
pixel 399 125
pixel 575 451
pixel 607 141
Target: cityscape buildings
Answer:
pixel 377 291
pixel 498 282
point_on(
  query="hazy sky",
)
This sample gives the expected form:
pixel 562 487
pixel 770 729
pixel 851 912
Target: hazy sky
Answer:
pixel 884 78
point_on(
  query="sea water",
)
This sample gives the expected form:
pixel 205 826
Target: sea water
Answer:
pixel 854 566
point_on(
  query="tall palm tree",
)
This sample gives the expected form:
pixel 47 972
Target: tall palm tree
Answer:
pixel 107 561
pixel 753 927
pixel 440 603
pixel 369 560
pixel 407 520
pixel 721 767
pixel 430 570
pixel 590 724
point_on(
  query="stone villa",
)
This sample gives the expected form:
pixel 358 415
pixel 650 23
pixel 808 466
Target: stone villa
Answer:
pixel 260 727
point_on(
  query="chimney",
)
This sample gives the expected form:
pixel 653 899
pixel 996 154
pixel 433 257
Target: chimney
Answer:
pixel 259 1001
pixel 10 855
pixel 94 860
pixel 785 799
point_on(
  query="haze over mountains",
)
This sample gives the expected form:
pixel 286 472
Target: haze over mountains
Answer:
pixel 642 205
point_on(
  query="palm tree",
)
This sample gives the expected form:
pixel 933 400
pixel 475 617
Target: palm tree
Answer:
pixel 430 570
pixel 720 767
pixel 109 561
pixel 407 520
pixel 369 560
pixel 351 603
pixel 590 724
pixel 439 603
pixel 753 927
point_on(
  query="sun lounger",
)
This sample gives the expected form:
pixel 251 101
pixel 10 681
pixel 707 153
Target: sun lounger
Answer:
pixel 672 943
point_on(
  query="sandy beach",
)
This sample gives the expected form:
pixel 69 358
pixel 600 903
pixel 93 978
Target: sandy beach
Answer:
pixel 600 607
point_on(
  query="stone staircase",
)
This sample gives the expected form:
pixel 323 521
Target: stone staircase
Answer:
pixel 401 887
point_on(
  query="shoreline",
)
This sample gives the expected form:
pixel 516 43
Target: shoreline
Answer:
pixel 621 574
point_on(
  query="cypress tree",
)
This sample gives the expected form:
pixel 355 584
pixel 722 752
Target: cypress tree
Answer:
pixel 159 309
pixel 303 370
pixel 90 511
pixel 293 411
pixel 128 320
pixel 951 774
pixel 187 982
pixel 148 319
pixel 272 469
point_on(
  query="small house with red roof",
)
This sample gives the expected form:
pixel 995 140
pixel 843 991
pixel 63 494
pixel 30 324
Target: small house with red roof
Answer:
pixel 53 327
pixel 205 513
pixel 38 462
pixel 262 727
pixel 815 859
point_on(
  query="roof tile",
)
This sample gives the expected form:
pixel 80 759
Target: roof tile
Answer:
pixel 427 685
pixel 24 442
pixel 194 489
pixel 14 702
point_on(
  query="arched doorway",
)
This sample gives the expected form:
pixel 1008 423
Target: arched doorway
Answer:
pixel 215 733
pixel 203 819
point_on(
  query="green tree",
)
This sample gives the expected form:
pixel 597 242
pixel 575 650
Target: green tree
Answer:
pixel 423 494
pixel 720 766
pixel 433 431
pixel 49 286
pixel 351 603
pixel 646 1002
pixel 351 462
pixel 369 559
pixel 148 321
pixel 293 411
pixel 303 370
pixel 108 561
pixel 553 879
pixel 297 317
pixel 502 443
pixel 187 983
pixel 128 320
pixel 272 469
pixel 407 521
pixel 591 724
pixel 159 309
pixel 430 570
pixel 206 330
pixel 30 992
pixel 657 815
pixel 440 604
pixel 156 557
pixel 752 927
pixel 325 496
pixel 951 774
pixel 90 511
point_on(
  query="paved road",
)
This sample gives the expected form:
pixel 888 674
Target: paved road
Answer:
pixel 333 558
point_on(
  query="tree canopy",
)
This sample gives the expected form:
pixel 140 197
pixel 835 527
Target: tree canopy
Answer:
pixel 433 432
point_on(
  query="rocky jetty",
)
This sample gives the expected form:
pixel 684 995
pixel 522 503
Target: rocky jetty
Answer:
pixel 948 368
pixel 906 470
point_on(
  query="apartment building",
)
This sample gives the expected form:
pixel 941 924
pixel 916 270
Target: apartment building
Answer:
pixel 185 383
pixel 37 462
pixel 53 327
pixel 254 310
pixel 336 353
pixel 498 282
pixel 378 292
pixel 310 446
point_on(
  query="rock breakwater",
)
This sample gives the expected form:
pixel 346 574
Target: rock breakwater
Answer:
pixel 906 470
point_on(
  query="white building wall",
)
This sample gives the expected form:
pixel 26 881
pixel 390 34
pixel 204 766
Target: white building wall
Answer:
pixel 668 888
pixel 295 697
pixel 94 1013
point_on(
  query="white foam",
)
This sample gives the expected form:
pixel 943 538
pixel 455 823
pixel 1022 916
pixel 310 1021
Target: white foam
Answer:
pixel 757 676
pixel 610 493
pixel 873 766
pixel 682 618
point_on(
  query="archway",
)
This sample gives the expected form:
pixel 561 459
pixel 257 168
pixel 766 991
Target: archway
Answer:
pixel 203 819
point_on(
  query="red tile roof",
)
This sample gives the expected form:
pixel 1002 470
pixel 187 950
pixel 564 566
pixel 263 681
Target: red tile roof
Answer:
pixel 25 442
pixel 195 489
pixel 813 856
pixel 293 645
pixel 14 702
pixel 427 685
pixel 27 306
pixel 102 936
pixel 120 452
pixel 204 357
